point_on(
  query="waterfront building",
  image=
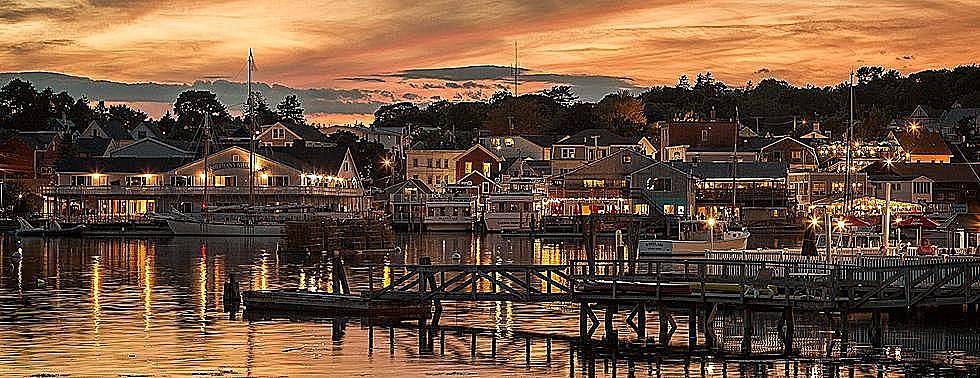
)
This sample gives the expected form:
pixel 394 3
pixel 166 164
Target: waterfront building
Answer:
pixel 599 187
pixel 478 159
pixel 435 167
pixel 810 187
pixel 127 188
pixel 761 192
pixel 573 151
pixel 943 189
pixel 406 202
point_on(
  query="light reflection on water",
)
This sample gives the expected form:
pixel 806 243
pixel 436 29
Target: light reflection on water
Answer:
pixel 109 307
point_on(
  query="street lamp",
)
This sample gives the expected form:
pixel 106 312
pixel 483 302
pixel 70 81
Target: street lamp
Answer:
pixel 711 233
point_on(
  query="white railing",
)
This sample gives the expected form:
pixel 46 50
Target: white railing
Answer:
pixel 198 190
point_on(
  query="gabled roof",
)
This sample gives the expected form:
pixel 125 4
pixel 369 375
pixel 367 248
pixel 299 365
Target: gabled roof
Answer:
pixel 637 161
pixel 469 176
pixel 118 165
pixel 921 142
pixel 723 170
pixel 177 151
pixel 415 183
pixel 953 116
pixel 481 147
pixel 305 131
pixel 521 167
pixel 928 111
pixel 542 140
pixel 308 159
pixel 596 137
pixel 115 130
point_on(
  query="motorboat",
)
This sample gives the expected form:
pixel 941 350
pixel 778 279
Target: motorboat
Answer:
pixel 52 228
pixel 695 238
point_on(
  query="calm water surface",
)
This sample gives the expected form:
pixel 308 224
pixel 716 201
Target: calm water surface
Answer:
pixel 99 307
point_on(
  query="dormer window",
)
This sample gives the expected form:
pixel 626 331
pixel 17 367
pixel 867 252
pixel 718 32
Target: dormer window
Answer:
pixel 278 133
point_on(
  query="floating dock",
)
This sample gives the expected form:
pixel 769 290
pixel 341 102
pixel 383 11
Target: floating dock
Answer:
pixel 327 304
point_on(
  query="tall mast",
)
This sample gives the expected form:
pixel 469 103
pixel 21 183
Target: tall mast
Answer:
pixel 847 160
pixel 251 133
pixel 207 151
pixel 735 163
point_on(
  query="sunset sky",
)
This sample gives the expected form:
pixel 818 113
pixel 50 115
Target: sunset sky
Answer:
pixel 359 54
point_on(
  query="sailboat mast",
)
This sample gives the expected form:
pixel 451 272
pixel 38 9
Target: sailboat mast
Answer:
pixel 251 133
pixel 207 151
pixel 847 160
pixel 735 163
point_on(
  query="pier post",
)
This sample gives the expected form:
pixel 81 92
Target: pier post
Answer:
pixel 876 331
pixel 583 326
pixel 790 329
pixel 692 328
pixel 747 331
pixel 844 332
pixel 611 337
pixel 641 323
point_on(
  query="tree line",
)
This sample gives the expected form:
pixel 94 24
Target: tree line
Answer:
pixel 24 108
pixel 771 106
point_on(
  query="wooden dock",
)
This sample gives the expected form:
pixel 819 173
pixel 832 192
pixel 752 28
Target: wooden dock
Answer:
pixel 301 301
pixel 698 287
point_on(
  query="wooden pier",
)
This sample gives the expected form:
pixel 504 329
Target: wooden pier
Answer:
pixel 631 290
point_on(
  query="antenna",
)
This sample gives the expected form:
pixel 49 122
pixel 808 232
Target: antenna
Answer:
pixel 516 70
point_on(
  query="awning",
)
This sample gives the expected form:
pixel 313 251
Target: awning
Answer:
pixel 915 221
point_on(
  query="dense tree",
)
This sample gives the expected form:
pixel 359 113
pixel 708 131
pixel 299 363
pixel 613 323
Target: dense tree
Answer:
pixel 561 94
pixel 129 117
pixel 623 113
pixel 192 106
pixel 290 109
pixel 259 111
pixel 368 156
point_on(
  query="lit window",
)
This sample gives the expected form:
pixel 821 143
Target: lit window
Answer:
pixel 486 169
pixel 468 167
pixel 593 183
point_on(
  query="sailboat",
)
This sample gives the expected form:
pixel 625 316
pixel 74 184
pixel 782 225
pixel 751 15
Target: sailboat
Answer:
pixel 228 221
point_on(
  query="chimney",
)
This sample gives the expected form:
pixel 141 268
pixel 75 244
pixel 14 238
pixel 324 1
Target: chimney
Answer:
pixel 816 126
pixel 712 113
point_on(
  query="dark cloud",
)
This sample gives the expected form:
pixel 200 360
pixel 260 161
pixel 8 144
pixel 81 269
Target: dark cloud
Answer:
pixel 30 47
pixel 410 96
pixel 762 70
pixel 588 87
pixel 315 100
pixel 364 79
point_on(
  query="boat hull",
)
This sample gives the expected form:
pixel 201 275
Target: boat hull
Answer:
pixel 179 227
pixel 500 222
pixel 664 248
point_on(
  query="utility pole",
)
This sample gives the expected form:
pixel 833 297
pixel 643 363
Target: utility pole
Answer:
pixel 847 161
pixel 251 134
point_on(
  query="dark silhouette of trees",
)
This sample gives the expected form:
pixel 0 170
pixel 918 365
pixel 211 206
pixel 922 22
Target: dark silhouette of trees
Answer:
pixel 290 109
pixel 191 108
pixel 129 117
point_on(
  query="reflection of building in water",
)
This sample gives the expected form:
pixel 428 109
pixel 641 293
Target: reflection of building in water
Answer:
pixel 96 291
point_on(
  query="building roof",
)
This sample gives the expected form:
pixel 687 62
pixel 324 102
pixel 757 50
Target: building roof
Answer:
pixel 598 137
pixel 38 140
pixel 953 116
pixel 922 142
pixel 937 172
pixel 542 140
pixel 307 159
pixel 719 135
pixel 723 170
pixel 119 165
pixel 303 131
pixel 115 130
pixel 92 146
pixel 400 186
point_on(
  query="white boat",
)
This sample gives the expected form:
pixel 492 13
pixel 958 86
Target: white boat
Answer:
pixel 513 212
pixel 53 228
pixel 695 240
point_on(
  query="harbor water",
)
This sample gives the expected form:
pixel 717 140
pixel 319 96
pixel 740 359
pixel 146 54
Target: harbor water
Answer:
pixel 122 307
